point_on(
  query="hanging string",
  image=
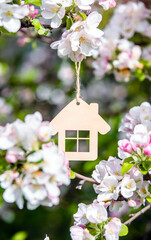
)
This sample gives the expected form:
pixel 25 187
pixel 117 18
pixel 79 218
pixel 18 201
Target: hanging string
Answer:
pixel 77 67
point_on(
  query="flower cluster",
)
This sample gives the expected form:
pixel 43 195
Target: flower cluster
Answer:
pixel 82 38
pixel 53 10
pixel 137 115
pixel 34 167
pixel 56 10
pixel 10 15
pixel 118 54
pixel 133 18
pixel 92 221
pixel 137 146
pixel 114 188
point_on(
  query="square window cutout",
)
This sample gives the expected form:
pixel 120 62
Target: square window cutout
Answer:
pixel 70 145
pixel 71 134
pixel 83 145
pixel 84 134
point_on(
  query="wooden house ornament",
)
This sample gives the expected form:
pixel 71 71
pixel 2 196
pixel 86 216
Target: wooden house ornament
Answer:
pixel 79 124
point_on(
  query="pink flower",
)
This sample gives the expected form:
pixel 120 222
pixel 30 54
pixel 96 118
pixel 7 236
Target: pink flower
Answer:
pixel 106 4
pixel 126 146
pixel 147 150
pixel 14 154
pixel 32 11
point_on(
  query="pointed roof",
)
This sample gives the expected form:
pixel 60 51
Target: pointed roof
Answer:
pixel 79 117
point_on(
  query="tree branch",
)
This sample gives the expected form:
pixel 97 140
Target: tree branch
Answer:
pixel 138 214
pixel 42 38
pixel 87 179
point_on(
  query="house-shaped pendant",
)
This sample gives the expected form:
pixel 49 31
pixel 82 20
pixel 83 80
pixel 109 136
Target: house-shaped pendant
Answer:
pixel 79 124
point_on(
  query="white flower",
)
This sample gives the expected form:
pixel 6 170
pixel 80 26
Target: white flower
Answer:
pixel 8 137
pixel 80 217
pixel 33 120
pixel 35 157
pixel 128 186
pixel 84 4
pixel 34 193
pixel 100 171
pixel 106 4
pixel 114 167
pixel 96 213
pixel 78 233
pixel 52 10
pixel 143 190
pixel 112 229
pixel 44 132
pixel 109 189
pixel 140 136
pixel 14 194
pixel 10 16
pixel 7 178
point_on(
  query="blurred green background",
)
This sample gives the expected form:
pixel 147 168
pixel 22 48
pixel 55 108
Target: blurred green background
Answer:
pixel 30 81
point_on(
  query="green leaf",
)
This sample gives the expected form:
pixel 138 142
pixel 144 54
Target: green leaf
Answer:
pixel 6 32
pixel 72 175
pixel 20 236
pixel 149 188
pixel 39 27
pixel 126 167
pixel 129 160
pixel 93 229
pixel 68 22
pixel 146 165
pixel 35 2
pixel 83 15
pixel 142 170
pixel 148 198
pixel 124 230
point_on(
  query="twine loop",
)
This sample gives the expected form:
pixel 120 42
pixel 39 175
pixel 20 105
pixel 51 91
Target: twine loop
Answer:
pixel 77 67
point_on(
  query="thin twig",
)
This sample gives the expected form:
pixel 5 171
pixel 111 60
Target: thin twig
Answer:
pixel 138 214
pixel 42 38
pixel 87 179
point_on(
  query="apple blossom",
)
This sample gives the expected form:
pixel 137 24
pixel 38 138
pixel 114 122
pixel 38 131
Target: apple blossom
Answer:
pixel 42 167
pixel 96 213
pixel 143 190
pixel 106 4
pixel 10 16
pixel 140 137
pixel 147 150
pixel 137 115
pixel 109 189
pixel 52 10
pixel 84 4
pixel 126 146
pixel 80 217
pixel 82 38
pixel 128 186
pixel 78 233
pixel 112 229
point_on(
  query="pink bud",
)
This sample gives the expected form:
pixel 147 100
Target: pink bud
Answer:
pixel 126 146
pixel 132 203
pixel 147 150
pixel 112 4
pixel 11 157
